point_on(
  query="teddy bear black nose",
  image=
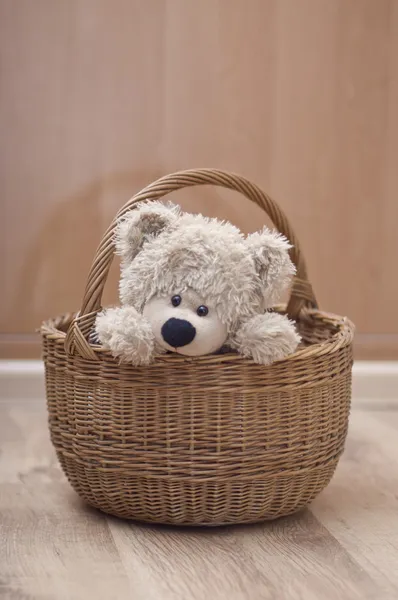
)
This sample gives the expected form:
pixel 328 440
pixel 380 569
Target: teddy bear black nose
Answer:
pixel 177 332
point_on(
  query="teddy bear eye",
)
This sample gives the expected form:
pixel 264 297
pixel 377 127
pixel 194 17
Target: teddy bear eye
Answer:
pixel 202 311
pixel 176 300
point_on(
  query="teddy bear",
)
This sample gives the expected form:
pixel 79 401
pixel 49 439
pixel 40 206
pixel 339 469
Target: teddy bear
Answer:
pixel 194 286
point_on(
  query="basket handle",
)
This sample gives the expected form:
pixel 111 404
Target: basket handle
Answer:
pixel 301 296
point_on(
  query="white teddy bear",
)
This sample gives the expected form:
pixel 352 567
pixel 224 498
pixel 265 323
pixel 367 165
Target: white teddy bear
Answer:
pixel 194 285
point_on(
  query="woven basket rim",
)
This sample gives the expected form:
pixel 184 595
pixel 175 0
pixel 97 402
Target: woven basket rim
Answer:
pixel 342 337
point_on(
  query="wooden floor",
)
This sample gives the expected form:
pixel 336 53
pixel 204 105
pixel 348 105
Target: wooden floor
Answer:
pixel 53 547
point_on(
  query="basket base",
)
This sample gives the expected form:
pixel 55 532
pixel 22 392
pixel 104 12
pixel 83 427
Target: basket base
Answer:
pixel 183 502
pixel 194 524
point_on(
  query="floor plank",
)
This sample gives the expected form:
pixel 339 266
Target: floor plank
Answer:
pixel 53 546
pixel 360 508
pixel 295 557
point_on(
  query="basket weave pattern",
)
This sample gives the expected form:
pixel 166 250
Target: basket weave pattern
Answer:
pixel 205 440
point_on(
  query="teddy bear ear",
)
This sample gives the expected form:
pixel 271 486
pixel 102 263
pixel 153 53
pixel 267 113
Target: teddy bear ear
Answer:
pixel 144 223
pixel 270 251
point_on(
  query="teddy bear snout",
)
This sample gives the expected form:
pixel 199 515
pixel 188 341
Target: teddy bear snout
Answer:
pixel 178 332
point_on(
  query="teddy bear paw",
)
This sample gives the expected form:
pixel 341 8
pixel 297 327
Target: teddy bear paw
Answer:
pixel 266 338
pixel 127 334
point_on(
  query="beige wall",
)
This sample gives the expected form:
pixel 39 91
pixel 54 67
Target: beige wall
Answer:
pixel 100 97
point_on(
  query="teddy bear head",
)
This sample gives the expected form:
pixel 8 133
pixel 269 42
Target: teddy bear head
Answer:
pixel 196 279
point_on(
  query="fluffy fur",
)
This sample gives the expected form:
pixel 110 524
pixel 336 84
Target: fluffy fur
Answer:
pixel 266 338
pixel 165 252
pixel 127 333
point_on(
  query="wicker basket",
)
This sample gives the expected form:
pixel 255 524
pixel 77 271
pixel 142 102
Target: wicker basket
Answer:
pixel 210 440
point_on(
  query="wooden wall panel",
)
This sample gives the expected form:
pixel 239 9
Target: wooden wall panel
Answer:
pixel 98 98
